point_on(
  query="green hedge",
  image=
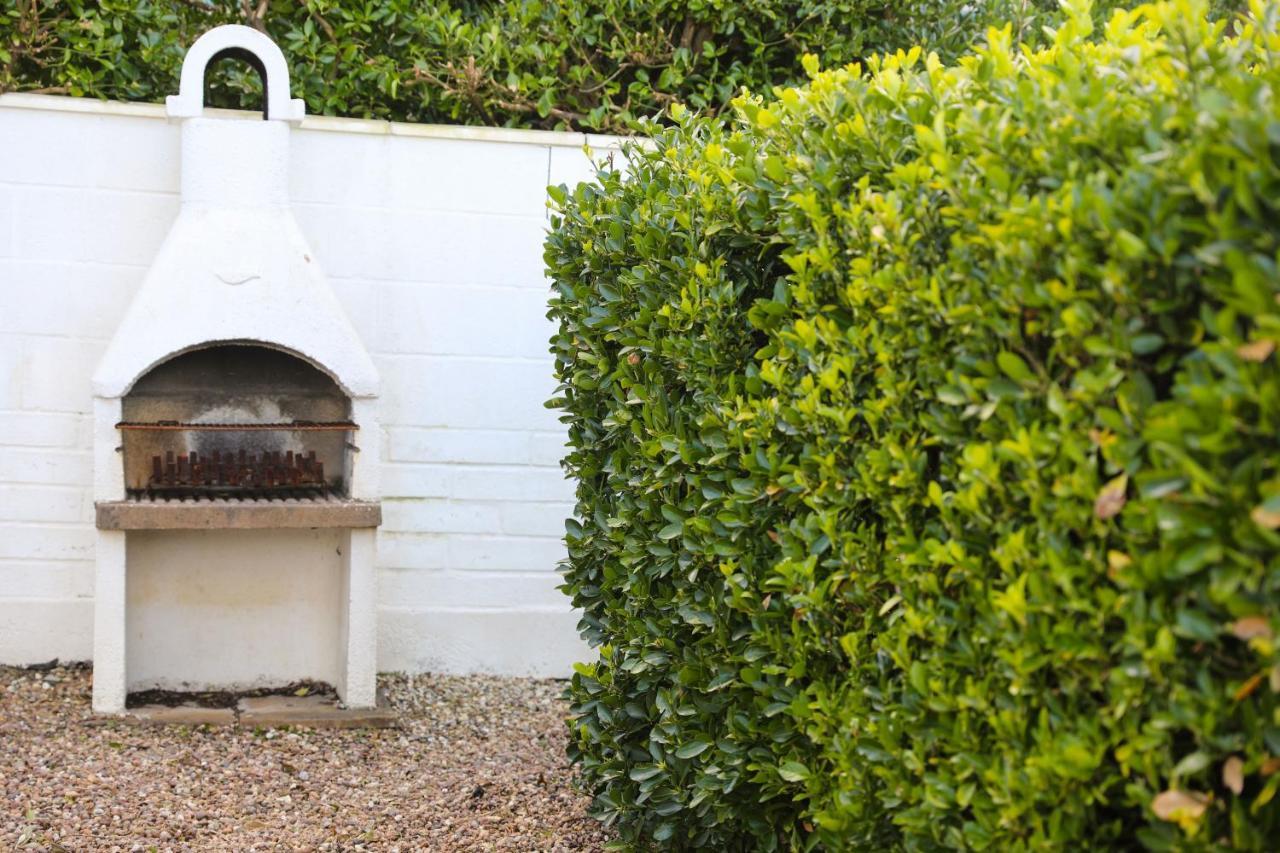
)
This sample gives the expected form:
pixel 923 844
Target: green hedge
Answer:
pixel 591 64
pixel 926 425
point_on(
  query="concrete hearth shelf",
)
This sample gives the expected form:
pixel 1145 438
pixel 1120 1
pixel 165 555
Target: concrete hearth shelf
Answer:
pixel 206 514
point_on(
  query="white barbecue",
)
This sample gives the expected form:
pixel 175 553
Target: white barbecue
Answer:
pixel 236 433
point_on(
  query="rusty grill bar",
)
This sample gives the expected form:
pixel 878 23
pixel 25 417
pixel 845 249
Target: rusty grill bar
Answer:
pixel 241 473
pixel 240 497
pixel 291 426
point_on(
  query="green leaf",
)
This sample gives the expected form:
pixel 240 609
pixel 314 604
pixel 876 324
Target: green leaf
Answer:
pixel 645 772
pixel 1014 367
pixel 1192 764
pixel 1146 344
pixel 693 748
pixel 672 530
pixel 793 771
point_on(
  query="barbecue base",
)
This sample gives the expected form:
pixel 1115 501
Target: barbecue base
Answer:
pixel 246 605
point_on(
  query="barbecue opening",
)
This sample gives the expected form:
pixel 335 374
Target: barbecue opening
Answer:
pixel 236 421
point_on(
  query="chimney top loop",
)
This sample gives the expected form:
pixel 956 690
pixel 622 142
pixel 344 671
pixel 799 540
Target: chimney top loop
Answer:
pixel 245 43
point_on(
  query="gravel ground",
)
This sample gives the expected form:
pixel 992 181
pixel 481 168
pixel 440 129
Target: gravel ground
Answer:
pixel 477 764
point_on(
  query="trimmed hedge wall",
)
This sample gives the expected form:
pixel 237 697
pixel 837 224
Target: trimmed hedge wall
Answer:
pixel 926 425
pixel 587 64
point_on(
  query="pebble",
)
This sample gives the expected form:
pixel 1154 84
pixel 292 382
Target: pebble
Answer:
pixel 69 781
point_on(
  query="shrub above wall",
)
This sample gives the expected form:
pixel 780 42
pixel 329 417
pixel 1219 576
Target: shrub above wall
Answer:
pixel 586 64
pixel 927 431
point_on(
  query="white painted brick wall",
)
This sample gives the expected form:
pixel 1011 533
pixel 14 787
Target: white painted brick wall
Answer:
pixel 432 239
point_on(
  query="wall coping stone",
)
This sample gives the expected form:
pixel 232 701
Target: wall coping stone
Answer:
pixel 331 124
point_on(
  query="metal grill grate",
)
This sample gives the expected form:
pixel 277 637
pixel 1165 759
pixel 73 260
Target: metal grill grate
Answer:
pixel 203 496
pixel 287 426
pixel 241 473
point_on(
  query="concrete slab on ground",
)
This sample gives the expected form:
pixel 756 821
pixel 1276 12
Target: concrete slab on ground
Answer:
pixel 181 715
pixel 321 712
pixel 312 711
